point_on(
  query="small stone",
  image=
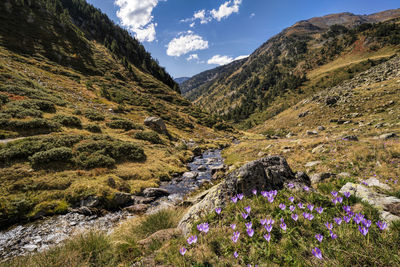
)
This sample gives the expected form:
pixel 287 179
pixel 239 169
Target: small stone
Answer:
pixel 202 168
pixel 388 136
pixel 189 175
pixel 30 247
pixel 312 133
pixel 312 163
pixel 321 128
pixel 154 192
pixel 350 138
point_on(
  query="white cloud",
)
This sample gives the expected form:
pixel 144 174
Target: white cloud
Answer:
pixel 226 9
pixel 223 60
pixel 136 16
pixel 241 57
pixel 192 24
pixel 186 43
pixel 192 57
pixel 252 15
pixel 201 15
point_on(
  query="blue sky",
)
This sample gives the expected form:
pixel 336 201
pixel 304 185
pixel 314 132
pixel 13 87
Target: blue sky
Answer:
pixel 190 36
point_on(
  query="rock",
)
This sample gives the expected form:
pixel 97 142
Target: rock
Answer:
pixel 379 125
pixel 91 202
pixel 312 133
pixel 197 151
pixel 319 177
pixel 111 182
pixel 121 199
pixel 142 200
pixel 160 237
pixel 156 124
pixel 30 247
pixel 312 163
pixel 189 175
pixel 267 173
pixel 289 135
pixel 350 138
pixel 331 100
pixel 375 182
pixel 217 168
pixel 380 201
pixel 303 114
pixel 138 208
pixel 155 192
pixel 318 149
pixel 202 168
pixel 344 175
pixel 388 136
pixel 321 128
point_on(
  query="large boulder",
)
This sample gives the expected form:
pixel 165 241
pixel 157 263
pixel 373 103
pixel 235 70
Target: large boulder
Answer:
pixel 155 192
pixel 156 124
pixel 269 173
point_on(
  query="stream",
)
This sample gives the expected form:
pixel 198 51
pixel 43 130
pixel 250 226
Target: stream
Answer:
pixel 40 235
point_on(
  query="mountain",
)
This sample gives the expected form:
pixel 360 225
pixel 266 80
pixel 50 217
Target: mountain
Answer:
pixel 284 65
pixel 75 90
pixel 181 79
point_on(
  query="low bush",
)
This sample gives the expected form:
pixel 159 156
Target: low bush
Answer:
pixel 152 137
pixel 93 115
pixel 163 219
pixel 123 124
pixel 21 112
pixel 95 160
pixel 32 127
pixel 69 121
pixel 3 99
pixel 55 155
pixel 42 105
pixel 93 128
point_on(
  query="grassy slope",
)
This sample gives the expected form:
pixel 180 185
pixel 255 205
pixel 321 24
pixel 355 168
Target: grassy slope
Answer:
pixel 107 89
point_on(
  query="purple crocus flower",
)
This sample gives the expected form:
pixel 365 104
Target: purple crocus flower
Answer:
pixel 300 205
pixel 317 253
pixel 248 225
pixel 250 232
pixel 329 225
pixel 235 254
pixel 306 215
pixel 263 221
pixel 338 220
pixel 347 194
pixel 319 237
pixel 240 196
pixel 335 201
pixel 268 227
pixel 333 235
pixel 319 209
pixel 346 219
pixel 245 215
pixel 310 217
pixel 310 207
pixel 182 250
pixel 270 221
pixel 267 237
pixel 282 206
pixel 264 193
pixel 339 199
pixel 282 220
pixel 233 226
pixel 234 199
pixel 358 218
pixel 381 225
pixel 218 210
pixel 295 217
pixel 347 209
pixel 290 186
pixel 270 199
pixel 363 230
pixel 291 199
pixel 292 208
pixel 367 223
pixel 283 226
pixel 247 209
pixel 334 193
pixel 235 236
pixel 192 239
pixel 274 192
pixel 306 188
pixel 254 192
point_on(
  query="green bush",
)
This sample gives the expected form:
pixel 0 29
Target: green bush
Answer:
pixel 55 155
pixel 21 112
pixel 3 99
pixel 152 137
pixel 69 121
pixel 42 105
pixel 95 160
pixel 34 93
pixel 35 126
pixel 93 115
pixel 93 128
pixel 123 124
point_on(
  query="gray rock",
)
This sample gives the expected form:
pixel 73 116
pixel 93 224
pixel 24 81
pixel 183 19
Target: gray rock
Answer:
pixel 388 136
pixel 268 173
pixel 303 114
pixel 30 247
pixel 321 128
pixel 382 202
pixel 121 199
pixel 218 168
pixel 375 182
pixel 189 175
pixel 138 208
pixel 319 177
pixel 91 202
pixel 155 192
pixel 142 200
pixel 202 168
pixel 156 124
pixel 331 100
pixel 312 133
pixel 350 138
pixel 312 163
pixel 319 149
pixel 344 174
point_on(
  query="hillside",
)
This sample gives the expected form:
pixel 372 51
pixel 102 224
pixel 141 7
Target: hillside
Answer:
pixel 75 91
pixel 181 79
pixel 283 65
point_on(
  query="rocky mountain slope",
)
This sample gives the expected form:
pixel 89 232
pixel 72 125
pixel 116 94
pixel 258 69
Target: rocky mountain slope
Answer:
pixel 86 115
pixel 285 64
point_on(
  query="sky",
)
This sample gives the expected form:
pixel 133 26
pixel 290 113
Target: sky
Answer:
pixel 191 36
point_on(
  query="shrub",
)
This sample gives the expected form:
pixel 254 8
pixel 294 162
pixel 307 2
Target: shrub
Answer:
pixel 21 112
pixel 93 128
pixel 69 121
pixel 95 160
pixel 55 155
pixel 123 124
pixel 42 105
pixel 152 137
pixel 35 126
pixel 93 115
pixel 163 219
pixel 3 99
